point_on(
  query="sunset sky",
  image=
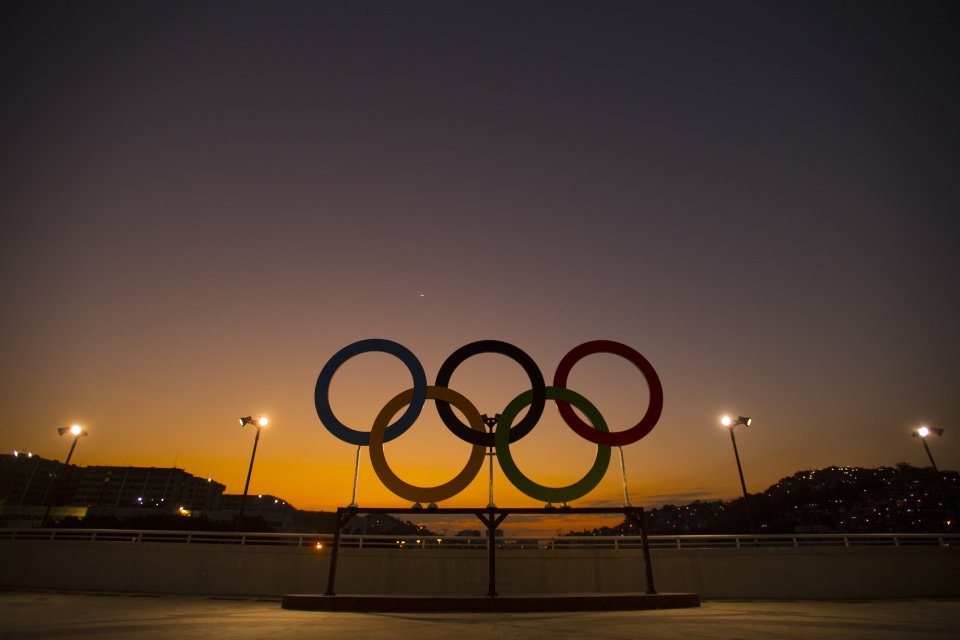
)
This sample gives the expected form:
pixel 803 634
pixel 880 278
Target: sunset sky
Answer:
pixel 204 201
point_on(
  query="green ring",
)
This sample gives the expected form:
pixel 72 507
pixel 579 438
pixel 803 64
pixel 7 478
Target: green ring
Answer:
pixel 536 491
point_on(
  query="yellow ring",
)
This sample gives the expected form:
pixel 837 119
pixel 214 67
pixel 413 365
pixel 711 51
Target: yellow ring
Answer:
pixel 425 494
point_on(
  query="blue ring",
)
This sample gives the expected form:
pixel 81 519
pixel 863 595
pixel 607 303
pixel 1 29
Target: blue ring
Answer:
pixel 321 394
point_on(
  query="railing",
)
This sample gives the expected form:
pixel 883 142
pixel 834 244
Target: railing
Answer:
pixel 506 543
pixel 185 537
pixel 805 540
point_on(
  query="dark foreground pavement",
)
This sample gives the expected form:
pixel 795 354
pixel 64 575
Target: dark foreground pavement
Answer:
pixel 41 614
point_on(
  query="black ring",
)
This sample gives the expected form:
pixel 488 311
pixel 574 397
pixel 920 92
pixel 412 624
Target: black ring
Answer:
pixel 530 367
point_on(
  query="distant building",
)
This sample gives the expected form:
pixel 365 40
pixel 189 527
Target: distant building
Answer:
pixel 30 483
pixel 26 479
pixel 156 488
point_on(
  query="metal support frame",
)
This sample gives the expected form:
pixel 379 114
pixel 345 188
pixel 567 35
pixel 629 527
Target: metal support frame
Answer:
pixel 492 518
pixel 343 517
pixel 636 516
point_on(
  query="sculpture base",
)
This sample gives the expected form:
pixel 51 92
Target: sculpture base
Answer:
pixel 486 604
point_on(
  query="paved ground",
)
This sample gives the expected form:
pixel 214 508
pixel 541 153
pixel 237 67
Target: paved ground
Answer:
pixel 30 615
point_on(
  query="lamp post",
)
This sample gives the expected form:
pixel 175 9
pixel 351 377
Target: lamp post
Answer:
pixel 732 424
pixel 950 506
pixel 77 432
pixel 923 433
pixel 259 423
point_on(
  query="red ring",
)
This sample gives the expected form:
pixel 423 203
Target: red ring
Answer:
pixel 612 438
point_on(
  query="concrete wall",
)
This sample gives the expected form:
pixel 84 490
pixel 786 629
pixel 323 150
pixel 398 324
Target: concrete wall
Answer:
pixel 825 573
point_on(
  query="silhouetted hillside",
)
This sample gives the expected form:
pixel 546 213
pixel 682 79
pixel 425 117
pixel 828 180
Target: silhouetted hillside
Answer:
pixel 897 499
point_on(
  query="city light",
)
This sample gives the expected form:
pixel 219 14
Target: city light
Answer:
pixel 923 433
pixel 76 431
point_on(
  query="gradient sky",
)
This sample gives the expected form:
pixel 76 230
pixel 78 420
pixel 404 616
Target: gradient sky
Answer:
pixel 203 201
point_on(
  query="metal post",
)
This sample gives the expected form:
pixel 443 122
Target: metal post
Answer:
pixel 743 485
pixel 356 476
pixel 73 446
pixel 56 481
pixel 490 502
pixel 930 455
pixel 26 488
pixel 623 475
pixel 492 521
pixel 491 424
pixel 492 544
pixel 950 510
pixel 646 552
pixel 246 486
pixel 341 521
pixel 636 514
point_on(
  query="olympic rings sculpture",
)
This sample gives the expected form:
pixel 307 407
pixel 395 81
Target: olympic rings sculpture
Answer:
pixel 473 432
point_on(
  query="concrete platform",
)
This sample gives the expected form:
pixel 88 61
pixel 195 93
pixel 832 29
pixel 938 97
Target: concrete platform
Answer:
pixel 44 615
pixel 484 604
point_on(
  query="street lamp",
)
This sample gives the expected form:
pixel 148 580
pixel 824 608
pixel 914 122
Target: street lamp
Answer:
pixel 258 423
pixel 77 432
pixel 923 433
pixel 732 424
pixel 950 507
